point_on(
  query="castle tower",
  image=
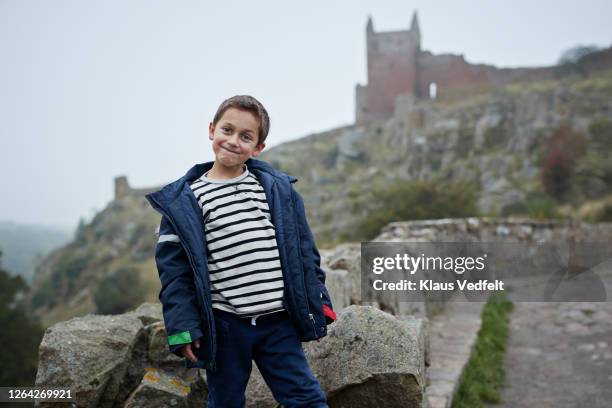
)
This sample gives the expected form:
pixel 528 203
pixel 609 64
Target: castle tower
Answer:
pixel 416 31
pixel 392 70
pixel 369 25
pixel 122 187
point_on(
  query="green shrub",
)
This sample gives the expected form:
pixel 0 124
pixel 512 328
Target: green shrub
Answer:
pixel 20 334
pixel 597 211
pixel 536 205
pixel 593 175
pixel 495 137
pixel 45 295
pixel 61 282
pixel 606 213
pixel 601 133
pixel 71 266
pixel 119 292
pixel 415 201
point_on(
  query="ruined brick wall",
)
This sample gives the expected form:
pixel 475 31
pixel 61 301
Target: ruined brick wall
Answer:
pixel 398 68
pixel 449 71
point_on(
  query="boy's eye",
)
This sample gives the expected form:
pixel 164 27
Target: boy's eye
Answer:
pixel 246 137
pixel 226 129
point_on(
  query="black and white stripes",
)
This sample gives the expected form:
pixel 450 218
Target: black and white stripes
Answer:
pixel 243 259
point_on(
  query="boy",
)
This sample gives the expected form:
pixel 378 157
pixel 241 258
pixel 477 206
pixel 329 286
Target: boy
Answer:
pixel 240 272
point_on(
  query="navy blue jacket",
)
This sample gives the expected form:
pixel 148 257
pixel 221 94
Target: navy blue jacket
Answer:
pixel 183 268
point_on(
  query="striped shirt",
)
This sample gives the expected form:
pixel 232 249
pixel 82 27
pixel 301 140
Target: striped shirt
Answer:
pixel 243 260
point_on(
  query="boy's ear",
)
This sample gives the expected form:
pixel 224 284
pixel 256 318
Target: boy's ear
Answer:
pixel 211 130
pixel 258 149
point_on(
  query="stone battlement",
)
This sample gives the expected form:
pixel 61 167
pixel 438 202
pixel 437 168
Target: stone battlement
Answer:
pixel 123 189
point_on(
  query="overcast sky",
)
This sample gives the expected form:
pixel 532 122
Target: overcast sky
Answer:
pixel 94 89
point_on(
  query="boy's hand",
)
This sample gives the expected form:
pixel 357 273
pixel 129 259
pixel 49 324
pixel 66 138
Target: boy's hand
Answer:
pixel 188 352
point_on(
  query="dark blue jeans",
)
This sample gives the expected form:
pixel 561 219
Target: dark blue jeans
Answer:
pixel 273 342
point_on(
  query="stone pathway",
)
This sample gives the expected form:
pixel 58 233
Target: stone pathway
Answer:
pixel 559 355
pixel 452 336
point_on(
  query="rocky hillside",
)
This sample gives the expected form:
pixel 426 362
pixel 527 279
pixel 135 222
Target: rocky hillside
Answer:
pixel 499 140
pixel 108 268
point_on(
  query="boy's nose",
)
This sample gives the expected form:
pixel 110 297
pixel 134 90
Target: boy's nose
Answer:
pixel 233 139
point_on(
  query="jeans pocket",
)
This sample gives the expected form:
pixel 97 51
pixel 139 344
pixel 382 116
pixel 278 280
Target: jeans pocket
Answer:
pixel 223 328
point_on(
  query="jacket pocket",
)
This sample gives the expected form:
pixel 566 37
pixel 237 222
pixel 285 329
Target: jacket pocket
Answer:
pixel 315 299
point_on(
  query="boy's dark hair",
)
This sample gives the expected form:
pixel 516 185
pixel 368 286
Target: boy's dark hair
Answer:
pixel 249 104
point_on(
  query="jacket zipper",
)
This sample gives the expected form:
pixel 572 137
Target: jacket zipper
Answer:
pixel 189 256
pixel 297 226
pixel 314 326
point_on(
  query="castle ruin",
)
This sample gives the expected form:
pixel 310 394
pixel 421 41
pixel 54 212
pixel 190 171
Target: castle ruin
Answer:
pixel 400 71
pixel 123 189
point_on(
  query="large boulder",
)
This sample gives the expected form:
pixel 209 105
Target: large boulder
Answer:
pixel 368 359
pixel 89 354
pixel 121 360
pixel 258 394
pixel 371 359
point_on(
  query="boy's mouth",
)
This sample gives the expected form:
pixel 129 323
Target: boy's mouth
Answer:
pixel 229 150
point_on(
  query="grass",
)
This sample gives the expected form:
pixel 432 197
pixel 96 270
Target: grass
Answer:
pixel 484 374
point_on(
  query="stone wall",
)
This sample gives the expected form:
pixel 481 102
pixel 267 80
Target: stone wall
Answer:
pixel 343 264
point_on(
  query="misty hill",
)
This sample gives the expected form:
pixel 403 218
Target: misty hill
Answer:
pixel 108 267
pixel 538 149
pixel 23 245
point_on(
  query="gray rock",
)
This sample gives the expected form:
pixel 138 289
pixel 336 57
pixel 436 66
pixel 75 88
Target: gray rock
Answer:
pixel 585 347
pixel 340 288
pixel 158 352
pixel 90 355
pixel 488 121
pixel 258 395
pixel 162 389
pixel 345 257
pixel 148 313
pixel 369 359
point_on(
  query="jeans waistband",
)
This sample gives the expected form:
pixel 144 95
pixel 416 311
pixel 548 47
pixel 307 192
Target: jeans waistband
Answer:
pixel 265 318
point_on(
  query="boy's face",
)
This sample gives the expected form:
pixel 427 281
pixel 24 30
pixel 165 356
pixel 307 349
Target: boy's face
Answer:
pixel 235 138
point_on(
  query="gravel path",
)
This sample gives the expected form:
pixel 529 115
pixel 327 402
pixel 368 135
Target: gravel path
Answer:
pixel 559 355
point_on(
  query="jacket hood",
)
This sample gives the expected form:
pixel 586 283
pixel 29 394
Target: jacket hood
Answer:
pixel 172 190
